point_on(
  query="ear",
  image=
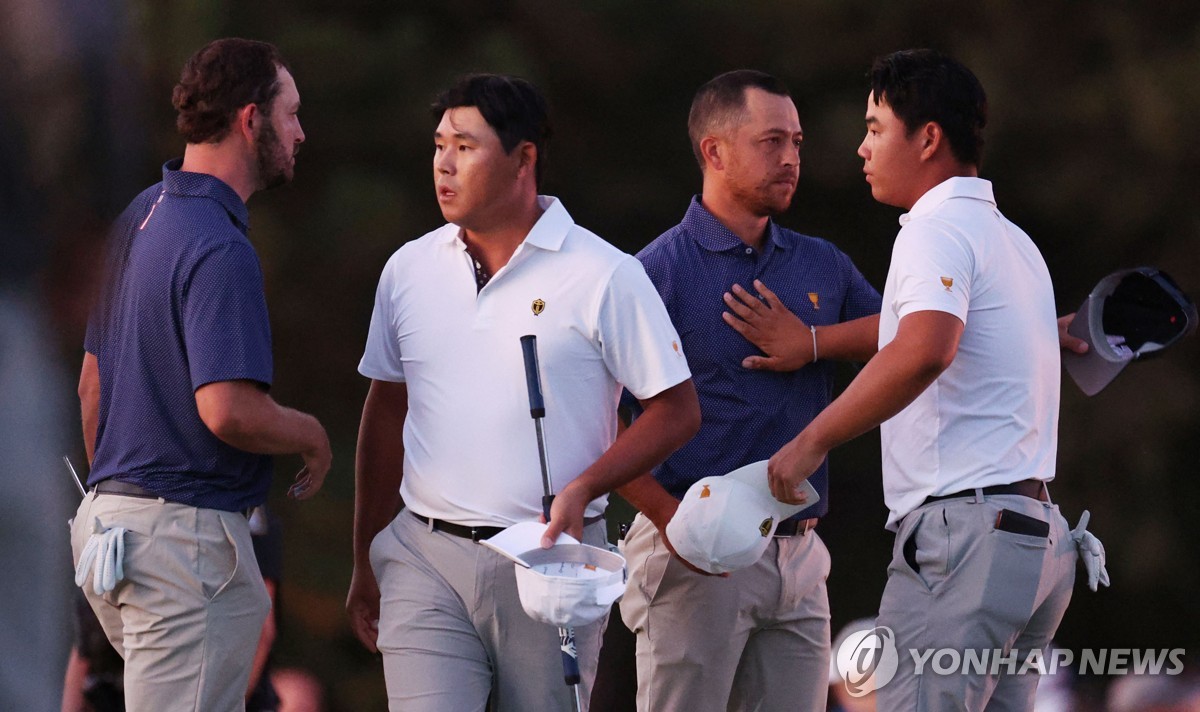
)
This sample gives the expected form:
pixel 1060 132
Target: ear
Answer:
pixel 527 155
pixel 931 138
pixel 247 120
pixel 710 150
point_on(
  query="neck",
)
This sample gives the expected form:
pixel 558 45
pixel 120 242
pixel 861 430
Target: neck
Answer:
pixel 750 227
pixel 495 244
pixel 938 175
pixel 220 160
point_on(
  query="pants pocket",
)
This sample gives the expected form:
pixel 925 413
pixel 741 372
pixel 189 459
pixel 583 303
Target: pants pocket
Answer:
pixel 220 559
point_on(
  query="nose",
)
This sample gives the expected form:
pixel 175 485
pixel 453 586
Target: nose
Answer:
pixel 443 162
pixel 299 133
pixel 863 153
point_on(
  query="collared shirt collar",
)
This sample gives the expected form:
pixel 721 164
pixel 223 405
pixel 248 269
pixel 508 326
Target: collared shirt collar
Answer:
pixel 548 233
pixel 204 185
pixel 711 234
pixel 953 187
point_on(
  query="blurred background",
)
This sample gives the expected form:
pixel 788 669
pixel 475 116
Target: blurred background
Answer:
pixel 1091 146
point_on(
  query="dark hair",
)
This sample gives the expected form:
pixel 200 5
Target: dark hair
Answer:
pixel 923 85
pixel 722 100
pixel 512 106
pixel 221 78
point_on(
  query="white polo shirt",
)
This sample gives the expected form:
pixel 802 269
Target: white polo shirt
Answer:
pixel 992 417
pixel 470 446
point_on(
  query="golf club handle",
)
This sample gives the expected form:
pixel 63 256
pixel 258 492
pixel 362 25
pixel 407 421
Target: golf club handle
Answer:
pixel 533 380
pixel 547 500
pixel 569 661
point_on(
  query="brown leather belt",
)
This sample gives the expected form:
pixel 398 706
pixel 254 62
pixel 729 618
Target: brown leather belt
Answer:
pixel 1033 489
pixel 475 534
pixel 795 527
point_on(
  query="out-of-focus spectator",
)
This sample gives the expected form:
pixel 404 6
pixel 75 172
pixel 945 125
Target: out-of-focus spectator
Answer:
pixel 1153 693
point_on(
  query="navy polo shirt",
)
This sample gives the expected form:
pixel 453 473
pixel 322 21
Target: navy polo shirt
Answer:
pixel 182 305
pixel 748 415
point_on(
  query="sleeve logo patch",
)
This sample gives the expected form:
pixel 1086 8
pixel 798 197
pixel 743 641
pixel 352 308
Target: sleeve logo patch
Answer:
pixel 815 299
pixel 947 282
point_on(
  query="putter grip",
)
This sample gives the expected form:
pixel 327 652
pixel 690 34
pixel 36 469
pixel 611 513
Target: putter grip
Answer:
pixel 533 381
pixel 566 638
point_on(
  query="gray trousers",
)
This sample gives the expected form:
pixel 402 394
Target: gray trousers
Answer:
pixel 756 640
pixel 965 585
pixel 189 614
pixel 452 630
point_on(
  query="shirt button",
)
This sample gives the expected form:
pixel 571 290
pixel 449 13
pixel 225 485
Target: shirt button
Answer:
pixel 749 250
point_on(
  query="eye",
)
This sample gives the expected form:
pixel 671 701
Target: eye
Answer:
pixel 462 148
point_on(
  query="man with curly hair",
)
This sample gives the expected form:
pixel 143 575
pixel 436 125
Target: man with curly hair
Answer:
pixel 178 424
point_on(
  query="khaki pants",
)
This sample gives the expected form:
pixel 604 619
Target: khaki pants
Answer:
pixel 188 616
pixel 452 630
pixel 757 640
pixel 966 585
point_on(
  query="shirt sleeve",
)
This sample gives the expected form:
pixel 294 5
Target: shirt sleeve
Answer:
pixel 932 270
pixel 861 298
pixel 381 359
pixel 639 344
pixel 226 329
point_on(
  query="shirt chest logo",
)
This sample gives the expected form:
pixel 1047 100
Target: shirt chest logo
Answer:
pixel 537 307
pixel 815 299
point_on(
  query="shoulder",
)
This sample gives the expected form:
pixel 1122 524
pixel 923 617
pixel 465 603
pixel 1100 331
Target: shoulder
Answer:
pixel 414 251
pixel 816 251
pixel 591 251
pixel 663 256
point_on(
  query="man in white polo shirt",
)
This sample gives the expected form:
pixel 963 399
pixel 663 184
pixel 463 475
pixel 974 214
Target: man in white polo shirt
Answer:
pixel 446 424
pixel 966 387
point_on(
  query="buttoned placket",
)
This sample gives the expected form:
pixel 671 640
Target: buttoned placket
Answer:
pixel 483 298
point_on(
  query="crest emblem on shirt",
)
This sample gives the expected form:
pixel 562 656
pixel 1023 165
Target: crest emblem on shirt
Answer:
pixel 765 527
pixel 675 345
pixel 947 282
pixel 538 306
pixel 704 493
pixel 815 299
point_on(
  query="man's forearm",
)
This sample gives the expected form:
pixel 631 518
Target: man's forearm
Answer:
pixel 379 464
pixel 923 348
pixel 855 340
pixel 247 418
pixel 648 497
pixel 668 421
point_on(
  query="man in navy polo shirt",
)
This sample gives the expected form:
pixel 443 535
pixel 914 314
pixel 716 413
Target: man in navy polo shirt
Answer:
pixel 766 643
pixel 177 422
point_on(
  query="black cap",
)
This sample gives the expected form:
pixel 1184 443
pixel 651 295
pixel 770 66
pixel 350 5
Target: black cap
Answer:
pixel 1132 314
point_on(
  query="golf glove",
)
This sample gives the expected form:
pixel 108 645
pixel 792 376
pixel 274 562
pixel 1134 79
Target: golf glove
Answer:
pixel 1091 552
pixel 104 553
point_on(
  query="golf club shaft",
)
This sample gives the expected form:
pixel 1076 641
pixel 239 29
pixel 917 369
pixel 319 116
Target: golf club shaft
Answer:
pixel 75 476
pixel 537 410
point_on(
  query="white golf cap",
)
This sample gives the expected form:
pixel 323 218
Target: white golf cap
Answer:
pixel 725 522
pixel 1131 315
pixel 569 584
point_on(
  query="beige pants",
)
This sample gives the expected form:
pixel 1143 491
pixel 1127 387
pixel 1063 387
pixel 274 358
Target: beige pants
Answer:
pixel 452 630
pixel 757 640
pixel 188 616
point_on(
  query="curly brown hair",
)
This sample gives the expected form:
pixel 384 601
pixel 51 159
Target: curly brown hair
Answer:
pixel 221 78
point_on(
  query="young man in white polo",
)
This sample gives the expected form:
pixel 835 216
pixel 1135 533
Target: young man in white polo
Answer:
pixel 965 387
pixel 446 425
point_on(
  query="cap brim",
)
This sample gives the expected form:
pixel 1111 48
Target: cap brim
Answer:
pixel 523 537
pixel 755 475
pixel 1094 370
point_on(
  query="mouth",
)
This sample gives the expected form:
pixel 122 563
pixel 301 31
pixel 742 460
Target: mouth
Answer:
pixel 444 193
